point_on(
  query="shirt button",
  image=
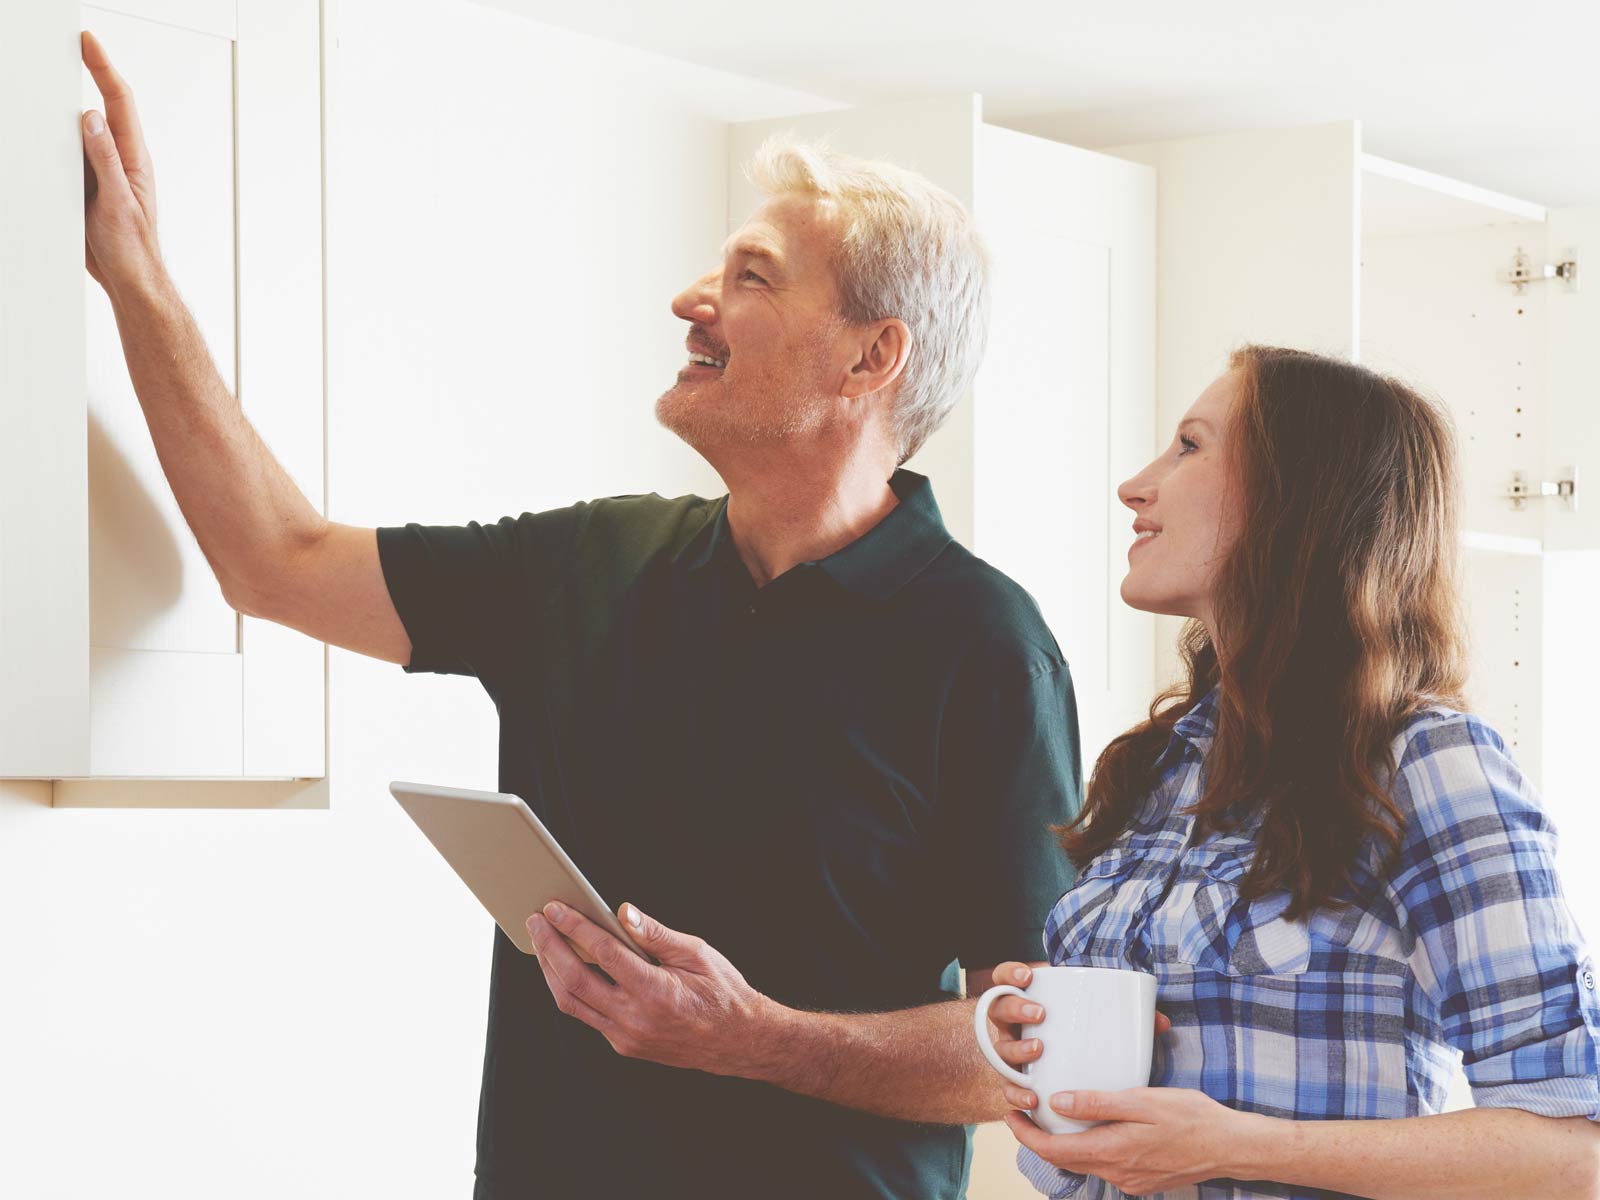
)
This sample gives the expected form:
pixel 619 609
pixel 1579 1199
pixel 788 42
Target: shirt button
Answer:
pixel 751 610
pixel 1588 980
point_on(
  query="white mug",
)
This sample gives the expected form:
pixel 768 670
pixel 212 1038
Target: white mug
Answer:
pixel 1098 1032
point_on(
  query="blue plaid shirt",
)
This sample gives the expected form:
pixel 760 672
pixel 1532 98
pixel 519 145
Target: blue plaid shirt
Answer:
pixel 1468 953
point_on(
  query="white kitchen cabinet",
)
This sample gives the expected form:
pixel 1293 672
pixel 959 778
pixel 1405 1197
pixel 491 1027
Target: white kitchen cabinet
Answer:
pixel 1063 406
pixel 121 660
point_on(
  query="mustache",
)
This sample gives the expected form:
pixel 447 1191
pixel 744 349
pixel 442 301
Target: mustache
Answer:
pixel 702 342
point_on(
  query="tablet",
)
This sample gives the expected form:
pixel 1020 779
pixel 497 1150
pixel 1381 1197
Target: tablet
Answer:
pixel 506 856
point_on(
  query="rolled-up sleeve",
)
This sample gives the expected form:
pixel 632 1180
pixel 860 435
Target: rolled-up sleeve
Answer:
pixel 1047 1177
pixel 1496 953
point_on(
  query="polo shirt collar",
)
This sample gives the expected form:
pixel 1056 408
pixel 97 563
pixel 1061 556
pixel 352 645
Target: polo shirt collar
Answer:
pixel 896 550
pixel 878 563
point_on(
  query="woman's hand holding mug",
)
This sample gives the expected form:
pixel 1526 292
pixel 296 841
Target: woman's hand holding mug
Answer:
pixel 1066 1029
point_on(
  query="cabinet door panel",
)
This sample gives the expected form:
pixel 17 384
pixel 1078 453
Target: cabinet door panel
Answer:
pixel 164 714
pixel 118 655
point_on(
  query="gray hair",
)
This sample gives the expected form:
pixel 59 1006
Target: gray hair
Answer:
pixel 909 250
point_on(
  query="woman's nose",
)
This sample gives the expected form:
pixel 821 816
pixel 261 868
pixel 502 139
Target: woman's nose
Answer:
pixel 1137 492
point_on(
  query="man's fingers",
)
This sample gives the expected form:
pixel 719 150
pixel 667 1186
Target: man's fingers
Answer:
pixel 1163 1024
pixel 570 1005
pixel 615 959
pixel 666 946
pixel 558 958
pixel 121 115
pixel 100 152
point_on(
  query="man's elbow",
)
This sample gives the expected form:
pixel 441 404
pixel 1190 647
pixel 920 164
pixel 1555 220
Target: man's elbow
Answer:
pixel 240 596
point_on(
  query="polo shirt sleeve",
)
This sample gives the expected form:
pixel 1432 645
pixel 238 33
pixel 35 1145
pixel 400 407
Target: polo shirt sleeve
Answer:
pixel 1010 770
pixel 469 595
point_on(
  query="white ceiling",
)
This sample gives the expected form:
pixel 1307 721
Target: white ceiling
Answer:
pixel 1503 95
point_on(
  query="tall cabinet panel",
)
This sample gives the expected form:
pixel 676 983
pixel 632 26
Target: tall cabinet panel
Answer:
pixel 1062 408
pixel 154 675
pixel 44 511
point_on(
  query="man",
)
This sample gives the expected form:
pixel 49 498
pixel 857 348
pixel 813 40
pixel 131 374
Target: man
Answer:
pixel 799 720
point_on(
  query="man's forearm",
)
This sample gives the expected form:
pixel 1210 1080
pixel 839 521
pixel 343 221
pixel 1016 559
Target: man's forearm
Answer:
pixel 918 1064
pixel 245 511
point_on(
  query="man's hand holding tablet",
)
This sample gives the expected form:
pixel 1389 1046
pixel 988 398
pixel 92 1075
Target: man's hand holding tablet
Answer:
pixel 505 855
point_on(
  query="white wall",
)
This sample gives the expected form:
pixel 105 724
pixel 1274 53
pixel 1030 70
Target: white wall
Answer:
pixel 265 1004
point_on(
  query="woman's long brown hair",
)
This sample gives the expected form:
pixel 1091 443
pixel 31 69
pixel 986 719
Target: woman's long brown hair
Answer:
pixel 1338 616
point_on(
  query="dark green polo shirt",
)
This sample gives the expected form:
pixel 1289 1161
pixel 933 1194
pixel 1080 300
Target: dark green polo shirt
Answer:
pixel 842 780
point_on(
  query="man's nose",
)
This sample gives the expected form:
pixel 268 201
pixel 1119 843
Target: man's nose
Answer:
pixel 697 302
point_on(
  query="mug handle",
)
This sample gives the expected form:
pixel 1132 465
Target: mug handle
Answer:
pixel 980 1026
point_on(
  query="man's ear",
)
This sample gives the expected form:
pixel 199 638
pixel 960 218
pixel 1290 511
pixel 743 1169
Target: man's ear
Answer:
pixel 883 348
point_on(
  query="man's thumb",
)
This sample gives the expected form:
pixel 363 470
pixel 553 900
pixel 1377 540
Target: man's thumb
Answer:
pixel 100 148
pixel 663 944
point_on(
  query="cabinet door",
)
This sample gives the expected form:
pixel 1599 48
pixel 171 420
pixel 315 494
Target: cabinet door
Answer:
pixel 149 673
pixel 1571 578
pixel 229 97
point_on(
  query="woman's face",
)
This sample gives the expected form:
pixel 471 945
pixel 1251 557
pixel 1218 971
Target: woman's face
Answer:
pixel 1186 512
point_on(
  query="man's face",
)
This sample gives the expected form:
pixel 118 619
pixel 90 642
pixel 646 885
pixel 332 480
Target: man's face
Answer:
pixel 769 318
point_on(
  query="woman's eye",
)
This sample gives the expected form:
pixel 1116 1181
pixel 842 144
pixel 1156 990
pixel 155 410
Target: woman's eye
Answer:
pixel 1188 444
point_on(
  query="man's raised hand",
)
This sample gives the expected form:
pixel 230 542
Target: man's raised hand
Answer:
pixel 119 186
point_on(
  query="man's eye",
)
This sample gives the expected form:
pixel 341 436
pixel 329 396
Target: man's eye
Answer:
pixel 749 274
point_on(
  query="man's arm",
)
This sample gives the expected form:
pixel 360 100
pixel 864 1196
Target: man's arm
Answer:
pixel 696 1010
pixel 273 554
pixel 918 1064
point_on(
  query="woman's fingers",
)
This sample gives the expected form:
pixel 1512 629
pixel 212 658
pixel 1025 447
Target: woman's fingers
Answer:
pixel 1019 1053
pixel 1010 1011
pixel 1019 1098
pixel 1018 973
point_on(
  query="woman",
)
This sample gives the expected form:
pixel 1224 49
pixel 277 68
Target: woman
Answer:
pixel 1339 878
